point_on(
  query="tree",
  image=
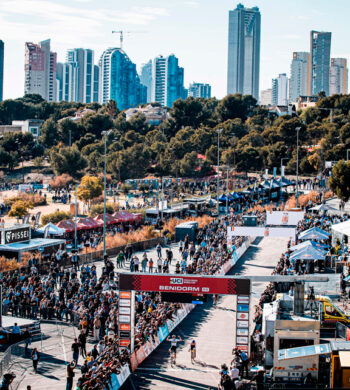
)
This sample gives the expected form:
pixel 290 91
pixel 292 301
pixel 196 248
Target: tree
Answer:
pixel 55 217
pixel 67 160
pixel 189 164
pixel 339 182
pixel 62 181
pixel 38 162
pixel 19 209
pixel 90 188
pixel 112 109
pixel 235 106
pixel 49 133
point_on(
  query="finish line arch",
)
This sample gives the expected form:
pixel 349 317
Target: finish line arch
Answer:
pixel 182 284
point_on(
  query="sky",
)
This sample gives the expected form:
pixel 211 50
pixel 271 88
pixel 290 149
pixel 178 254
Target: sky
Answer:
pixel 194 30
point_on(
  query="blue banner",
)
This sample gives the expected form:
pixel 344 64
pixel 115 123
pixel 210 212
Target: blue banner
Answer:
pixel 163 333
pixel 243 308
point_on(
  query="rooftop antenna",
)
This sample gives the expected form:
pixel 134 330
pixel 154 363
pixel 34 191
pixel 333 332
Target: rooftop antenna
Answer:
pixel 121 35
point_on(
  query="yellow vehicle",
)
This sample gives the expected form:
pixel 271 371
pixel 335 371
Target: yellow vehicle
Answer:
pixel 330 314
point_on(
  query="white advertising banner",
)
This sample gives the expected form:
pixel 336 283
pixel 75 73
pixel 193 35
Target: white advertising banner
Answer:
pixel 261 231
pixel 286 218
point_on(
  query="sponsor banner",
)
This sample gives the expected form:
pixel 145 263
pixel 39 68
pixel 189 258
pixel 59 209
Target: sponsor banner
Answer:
pixel 133 361
pixel 124 334
pixel 124 342
pixel 163 333
pixel 125 302
pixel 125 319
pixel 261 231
pixel 242 340
pixel 125 310
pixel 10 236
pixel 243 324
pixel 243 308
pixel 243 348
pixel 242 332
pixel 140 355
pixel 243 299
pixel 148 348
pixel 114 382
pixel 287 218
pixel 124 327
pixel 125 294
pixel 243 316
pixel 184 284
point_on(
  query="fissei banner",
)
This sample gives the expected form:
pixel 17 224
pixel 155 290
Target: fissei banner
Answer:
pixel 260 231
pixel 11 236
pixel 286 218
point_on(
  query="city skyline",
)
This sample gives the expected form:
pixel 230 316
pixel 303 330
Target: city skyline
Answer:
pixel 202 51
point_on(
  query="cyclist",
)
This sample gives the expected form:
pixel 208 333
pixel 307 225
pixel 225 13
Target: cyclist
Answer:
pixel 173 342
pixel 193 350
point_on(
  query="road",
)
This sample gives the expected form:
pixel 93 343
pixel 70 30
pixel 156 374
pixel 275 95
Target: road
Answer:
pixel 212 328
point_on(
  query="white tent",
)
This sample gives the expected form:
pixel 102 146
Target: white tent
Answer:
pixel 53 230
pixel 340 230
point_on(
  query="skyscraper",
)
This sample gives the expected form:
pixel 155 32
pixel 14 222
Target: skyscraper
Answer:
pixel 159 80
pixel 2 49
pixel 40 70
pixel 320 50
pixel 146 79
pixel 299 75
pixel 244 51
pixel 118 80
pixel 164 79
pixel 96 82
pixel 338 77
pixel 280 90
pixel 82 62
pixel 198 90
pixel 175 81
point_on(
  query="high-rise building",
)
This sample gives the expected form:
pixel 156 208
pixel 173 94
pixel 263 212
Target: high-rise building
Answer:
pixel 2 49
pixel 159 80
pixel 244 51
pixel 96 82
pixel 338 77
pixel 199 90
pixel 280 90
pixel 146 79
pixel 164 79
pixel 320 52
pixel 175 81
pixel 299 75
pixel 118 80
pixel 266 97
pixel 82 62
pixel 40 70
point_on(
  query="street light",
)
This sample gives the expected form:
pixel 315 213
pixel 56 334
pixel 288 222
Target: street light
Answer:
pixel 219 131
pixel 105 135
pixel 297 192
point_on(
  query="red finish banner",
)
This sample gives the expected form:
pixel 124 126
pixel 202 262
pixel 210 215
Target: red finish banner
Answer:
pixel 184 284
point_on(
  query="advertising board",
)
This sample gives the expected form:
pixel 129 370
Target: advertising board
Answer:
pixel 286 218
pixel 260 231
pixel 184 284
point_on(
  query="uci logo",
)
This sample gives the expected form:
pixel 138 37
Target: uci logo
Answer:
pixel 176 281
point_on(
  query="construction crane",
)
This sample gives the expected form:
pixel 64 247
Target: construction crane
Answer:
pixel 121 35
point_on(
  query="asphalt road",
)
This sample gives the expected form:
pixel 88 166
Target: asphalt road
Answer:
pixel 213 328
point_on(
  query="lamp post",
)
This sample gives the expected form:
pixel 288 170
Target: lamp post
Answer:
pixel 297 192
pixel 227 191
pixel 219 131
pixel 105 135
